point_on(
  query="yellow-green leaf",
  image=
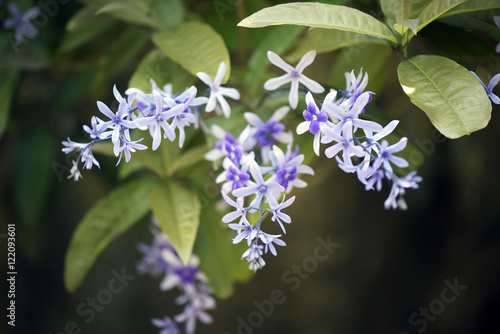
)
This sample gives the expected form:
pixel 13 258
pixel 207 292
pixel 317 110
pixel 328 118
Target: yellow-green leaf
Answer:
pixel 448 93
pixel 434 10
pixel 472 6
pixel 178 212
pixel 319 15
pixel 195 46
pixel 105 221
pixel 326 40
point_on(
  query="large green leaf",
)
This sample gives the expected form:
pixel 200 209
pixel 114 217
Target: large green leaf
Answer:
pixel 8 82
pixel 278 40
pixel 319 15
pixel 167 13
pixel 448 93
pixel 178 212
pixel 105 221
pixel 326 40
pixel 220 258
pixel 472 6
pixel 434 10
pixel 195 46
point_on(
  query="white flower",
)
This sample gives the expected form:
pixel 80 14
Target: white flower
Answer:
pixel 293 75
pixel 217 92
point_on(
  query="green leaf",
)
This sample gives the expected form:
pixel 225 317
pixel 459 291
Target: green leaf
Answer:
pixel 326 40
pixel 387 7
pixel 402 27
pixel 220 259
pixel 434 10
pixel 133 12
pixel 8 82
pixel 167 13
pixel 195 46
pixel 187 159
pixel 402 10
pixel 83 27
pixel 178 212
pixel 318 15
pixel 155 65
pixel 476 21
pixel 448 93
pixel 105 221
pixel 472 6
pixel 278 40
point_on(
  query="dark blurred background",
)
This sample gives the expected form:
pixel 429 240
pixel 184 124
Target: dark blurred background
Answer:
pixel 387 274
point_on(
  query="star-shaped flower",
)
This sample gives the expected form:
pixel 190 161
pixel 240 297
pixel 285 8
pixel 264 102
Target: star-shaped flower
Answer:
pixel 293 75
pixel 21 22
pixel 217 92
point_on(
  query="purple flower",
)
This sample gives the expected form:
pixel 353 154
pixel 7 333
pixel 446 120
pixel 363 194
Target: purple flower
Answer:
pixel 128 147
pixel 117 121
pixel 160 120
pixel 280 216
pixel 293 75
pixel 385 155
pixel 21 22
pixel 269 239
pixel 489 90
pixel 345 143
pixel 260 188
pixel 217 92
pixel 179 274
pixel 348 111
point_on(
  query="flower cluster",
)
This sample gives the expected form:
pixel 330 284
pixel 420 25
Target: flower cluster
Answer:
pixel 20 22
pixel 337 121
pixel 161 259
pixel 256 168
pixel 160 112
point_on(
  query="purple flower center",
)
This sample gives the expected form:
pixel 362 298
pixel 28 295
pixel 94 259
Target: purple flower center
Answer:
pixel 286 175
pixel 267 133
pixel 186 274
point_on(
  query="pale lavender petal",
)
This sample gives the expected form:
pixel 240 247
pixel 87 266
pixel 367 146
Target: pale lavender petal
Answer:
pixel 333 150
pixel 211 102
pixel 253 119
pixel 275 83
pixel 302 127
pixel 226 109
pixel 230 92
pixel 306 60
pixel 398 161
pixel 293 98
pixel 277 61
pixel 221 71
pixel 105 110
pixel 312 85
pixel 205 78
pixel 156 138
pixel 494 82
pixel 245 191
